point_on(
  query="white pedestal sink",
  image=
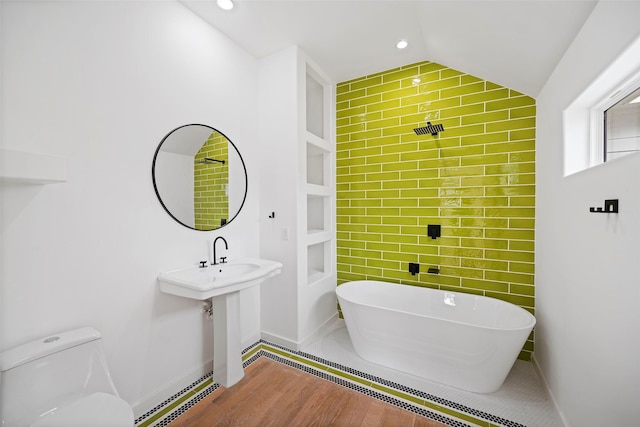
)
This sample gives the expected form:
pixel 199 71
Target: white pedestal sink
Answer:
pixel 222 283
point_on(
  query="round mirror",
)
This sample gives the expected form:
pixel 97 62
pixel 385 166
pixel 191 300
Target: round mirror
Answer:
pixel 199 177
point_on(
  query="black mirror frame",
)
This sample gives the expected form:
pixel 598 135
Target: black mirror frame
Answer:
pixel 155 185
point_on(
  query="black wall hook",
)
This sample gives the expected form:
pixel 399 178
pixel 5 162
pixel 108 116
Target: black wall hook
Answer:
pixel 610 206
pixel 273 215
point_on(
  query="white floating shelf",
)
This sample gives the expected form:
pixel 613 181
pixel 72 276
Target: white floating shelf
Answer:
pixel 31 168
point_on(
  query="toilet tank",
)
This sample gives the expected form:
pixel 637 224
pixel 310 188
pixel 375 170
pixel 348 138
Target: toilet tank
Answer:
pixel 42 375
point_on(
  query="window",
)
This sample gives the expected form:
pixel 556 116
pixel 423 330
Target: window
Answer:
pixel 622 127
pixel 585 132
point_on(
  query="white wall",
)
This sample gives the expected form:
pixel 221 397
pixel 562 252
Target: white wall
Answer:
pixel 587 269
pixel 101 83
pixel 279 117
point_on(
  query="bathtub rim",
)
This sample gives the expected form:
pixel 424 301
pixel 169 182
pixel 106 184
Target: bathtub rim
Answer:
pixel 530 325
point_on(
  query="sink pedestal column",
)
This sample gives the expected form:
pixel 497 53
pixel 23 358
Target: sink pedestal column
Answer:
pixel 227 351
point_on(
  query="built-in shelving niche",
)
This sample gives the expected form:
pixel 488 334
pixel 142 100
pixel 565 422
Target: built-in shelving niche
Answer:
pixel 319 188
pixel 318 257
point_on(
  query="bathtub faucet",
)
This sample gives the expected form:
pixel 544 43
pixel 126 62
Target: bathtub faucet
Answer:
pixel 223 259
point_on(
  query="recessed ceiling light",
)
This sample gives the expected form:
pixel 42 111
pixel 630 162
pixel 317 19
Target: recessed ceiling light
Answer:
pixel 225 4
pixel 402 44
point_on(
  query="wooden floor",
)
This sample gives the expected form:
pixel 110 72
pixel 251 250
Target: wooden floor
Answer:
pixel 273 394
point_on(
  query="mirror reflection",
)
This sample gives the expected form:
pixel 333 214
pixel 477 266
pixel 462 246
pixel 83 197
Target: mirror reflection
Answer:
pixel 199 177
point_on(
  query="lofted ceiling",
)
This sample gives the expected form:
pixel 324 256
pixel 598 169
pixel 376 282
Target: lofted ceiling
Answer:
pixel 514 43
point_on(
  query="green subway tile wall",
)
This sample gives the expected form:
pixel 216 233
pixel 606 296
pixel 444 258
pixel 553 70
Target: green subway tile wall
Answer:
pixel 476 179
pixel 211 203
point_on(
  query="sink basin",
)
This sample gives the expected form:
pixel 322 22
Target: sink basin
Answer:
pixel 221 283
pixel 203 283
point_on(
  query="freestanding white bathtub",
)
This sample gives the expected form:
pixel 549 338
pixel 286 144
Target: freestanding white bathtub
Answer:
pixel 462 340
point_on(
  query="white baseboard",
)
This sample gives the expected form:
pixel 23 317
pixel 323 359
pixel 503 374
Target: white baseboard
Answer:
pixel 298 345
pixel 277 339
pixel 153 399
pixel 545 383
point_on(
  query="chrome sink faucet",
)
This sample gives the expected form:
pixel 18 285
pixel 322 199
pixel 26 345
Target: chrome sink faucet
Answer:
pixel 223 259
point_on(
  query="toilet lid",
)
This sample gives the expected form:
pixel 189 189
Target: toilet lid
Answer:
pixel 96 410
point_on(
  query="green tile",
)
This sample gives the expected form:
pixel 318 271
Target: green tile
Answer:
pixel 484 243
pixel 401 74
pixel 460 191
pixel 401 111
pixel 522 179
pixel 509 234
pixel 400 238
pixel 419 249
pixel 517 113
pixel 485 118
pixel 519 267
pixel 462 90
pixel 400 220
pixel 476 212
pixel 465 130
pixel 462 111
pixel 510 190
pixel 402 93
pixel 523 279
pixel 463 231
pixel 485 181
pixel 521 223
pixel 486 96
pixel 515 124
pixel 386 105
pixel 461 272
pixel 364 83
pixel 366 237
pixel 348 96
pixel 485 138
pixel 462 151
pixel 462 252
pixel 403 202
pixel 387 247
pixel 509 255
pixel 522 201
pixel 485 201
pixel 484 264
pixel 381 88
pixel 507 147
pixel 512 168
pixel 510 212
pixel 383 123
pixel 521 289
pixel 488 285
pixel 441 84
pixel 503 104
pixel 383 158
pixel 418 174
pixel 439 201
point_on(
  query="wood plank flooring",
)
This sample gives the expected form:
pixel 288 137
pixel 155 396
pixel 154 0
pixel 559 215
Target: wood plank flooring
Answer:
pixel 273 394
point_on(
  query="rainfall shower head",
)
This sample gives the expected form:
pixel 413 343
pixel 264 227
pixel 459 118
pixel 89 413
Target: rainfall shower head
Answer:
pixel 429 128
pixel 209 160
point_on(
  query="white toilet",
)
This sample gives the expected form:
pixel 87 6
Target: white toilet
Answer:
pixel 60 381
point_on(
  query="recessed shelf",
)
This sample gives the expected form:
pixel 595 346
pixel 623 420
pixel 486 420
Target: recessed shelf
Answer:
pixel 318 190
pixel 32 168
pixel 315 106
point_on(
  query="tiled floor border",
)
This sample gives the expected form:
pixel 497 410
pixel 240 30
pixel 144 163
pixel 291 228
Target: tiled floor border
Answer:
pixel 418 402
